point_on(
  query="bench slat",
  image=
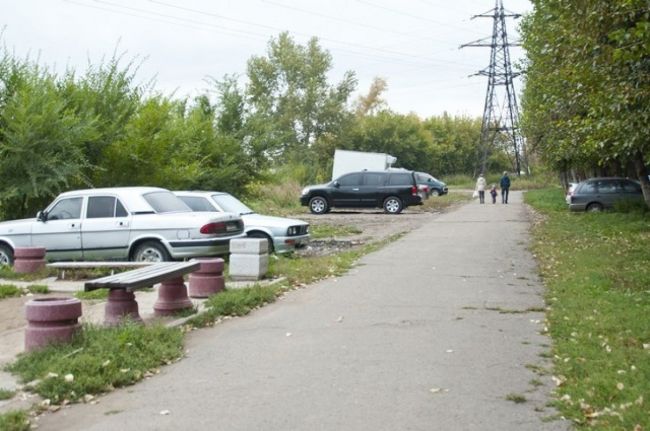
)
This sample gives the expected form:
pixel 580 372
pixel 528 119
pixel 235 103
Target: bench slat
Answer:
pixel 143 277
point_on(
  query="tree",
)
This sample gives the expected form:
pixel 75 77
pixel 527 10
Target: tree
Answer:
pixel 587 95
pixel 41 139
pixel 291 103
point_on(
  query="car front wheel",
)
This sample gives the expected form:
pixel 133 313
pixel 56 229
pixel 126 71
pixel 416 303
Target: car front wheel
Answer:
pixel 393 205
pixel 318 205
pixel 151 251
pixel 435 192
pixel 6 255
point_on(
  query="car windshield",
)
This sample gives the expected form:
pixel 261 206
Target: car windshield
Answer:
pixel 165 202
pixel 231 204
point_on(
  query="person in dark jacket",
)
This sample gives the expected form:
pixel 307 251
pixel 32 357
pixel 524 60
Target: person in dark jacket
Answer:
pixel 505 187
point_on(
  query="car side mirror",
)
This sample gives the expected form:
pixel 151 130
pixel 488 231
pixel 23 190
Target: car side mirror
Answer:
pixel 336 184
pixel 41 216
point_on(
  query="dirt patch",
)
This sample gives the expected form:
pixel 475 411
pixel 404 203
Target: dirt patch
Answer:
pixel 373 225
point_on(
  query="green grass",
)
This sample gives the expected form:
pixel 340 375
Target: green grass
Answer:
pixel 9 291
pixel 15 420
pixel 38 288
pixel 6 394
pixel 97 294
pixel 235 302
pixel 8 273
pixel 516 398
pixel 330 231
pixel 12 291
pixel 596 271
pixel 98 360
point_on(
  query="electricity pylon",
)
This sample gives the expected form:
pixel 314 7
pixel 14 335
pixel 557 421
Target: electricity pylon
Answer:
pixel 499 120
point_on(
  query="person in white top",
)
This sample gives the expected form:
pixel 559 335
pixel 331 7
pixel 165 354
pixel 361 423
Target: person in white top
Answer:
pixel 480 188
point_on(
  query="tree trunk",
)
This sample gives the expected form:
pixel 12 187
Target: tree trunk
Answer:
pixel 642 175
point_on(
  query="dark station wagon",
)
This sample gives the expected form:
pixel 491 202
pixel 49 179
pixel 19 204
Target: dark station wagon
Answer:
pixel 391 190
pixel 596 194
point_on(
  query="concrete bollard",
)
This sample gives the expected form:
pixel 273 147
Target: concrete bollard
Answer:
pixel 208 279
pixel 172 297
pixel 51 320
pixel 121 305
pixel 29 259
pixel 249 259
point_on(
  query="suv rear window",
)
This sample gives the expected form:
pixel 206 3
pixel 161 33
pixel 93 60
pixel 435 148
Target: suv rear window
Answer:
pixel 400 179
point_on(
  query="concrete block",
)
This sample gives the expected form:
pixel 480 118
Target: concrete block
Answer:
pixel 248 266
pixel 249 246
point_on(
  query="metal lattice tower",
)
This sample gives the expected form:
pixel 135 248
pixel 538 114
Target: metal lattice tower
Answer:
pixel 501 113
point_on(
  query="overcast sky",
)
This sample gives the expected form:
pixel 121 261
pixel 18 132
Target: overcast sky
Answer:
pixel 413 44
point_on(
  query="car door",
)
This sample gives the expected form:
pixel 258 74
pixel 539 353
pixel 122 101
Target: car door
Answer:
pixel 631 191
pixel 60 232
pixel 608 191
pixel 348 191
pixel 106 229
pixel 371 189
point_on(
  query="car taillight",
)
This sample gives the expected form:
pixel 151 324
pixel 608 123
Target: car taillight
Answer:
pixel 213 228
pixel 414 191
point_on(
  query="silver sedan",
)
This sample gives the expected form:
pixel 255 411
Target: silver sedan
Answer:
pixel 135 223
pixel 283 234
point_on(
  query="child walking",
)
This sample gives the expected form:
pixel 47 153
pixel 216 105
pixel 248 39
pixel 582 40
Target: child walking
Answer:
pixel 493 193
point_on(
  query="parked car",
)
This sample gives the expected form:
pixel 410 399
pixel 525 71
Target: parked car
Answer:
pixel 283 234
pixel 596 194
pixel 430 185
pixel 134 223
pixel 391 190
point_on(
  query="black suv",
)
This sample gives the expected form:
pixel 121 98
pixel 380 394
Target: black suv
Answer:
pixel 391 190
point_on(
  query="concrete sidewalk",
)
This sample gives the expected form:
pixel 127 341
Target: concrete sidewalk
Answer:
pixel 432 332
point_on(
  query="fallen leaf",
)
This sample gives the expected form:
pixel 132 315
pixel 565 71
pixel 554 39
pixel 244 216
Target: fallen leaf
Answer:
pixel 164 412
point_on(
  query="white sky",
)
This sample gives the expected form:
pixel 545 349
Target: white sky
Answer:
pixel 413 44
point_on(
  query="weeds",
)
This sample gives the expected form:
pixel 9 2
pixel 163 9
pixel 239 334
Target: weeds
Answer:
pixel 15 420
pixel 329 231
pixel 516 398
pixel 7 272
pixel 9 291
pixel 6 394
pixel 235 302
pixel 98 360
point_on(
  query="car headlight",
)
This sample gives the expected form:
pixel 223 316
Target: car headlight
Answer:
pixel 304 191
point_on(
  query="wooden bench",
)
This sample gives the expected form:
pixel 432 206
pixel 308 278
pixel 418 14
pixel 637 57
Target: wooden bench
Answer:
pixel 172 294
pixel 113 265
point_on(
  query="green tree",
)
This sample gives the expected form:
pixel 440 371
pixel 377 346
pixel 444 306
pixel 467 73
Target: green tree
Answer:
pixel 291 103
pixel 41 139
pixel 587 95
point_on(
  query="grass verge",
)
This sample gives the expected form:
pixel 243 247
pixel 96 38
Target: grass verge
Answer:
pixel 596 271
pixel 8 273
pixel 98 360
pixel 12 291
pixel 330 231
pixel 15 420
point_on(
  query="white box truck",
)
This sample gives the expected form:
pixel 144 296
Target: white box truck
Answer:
pixel 351 161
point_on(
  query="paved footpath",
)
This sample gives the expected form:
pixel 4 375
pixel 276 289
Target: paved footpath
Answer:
pixel 432 332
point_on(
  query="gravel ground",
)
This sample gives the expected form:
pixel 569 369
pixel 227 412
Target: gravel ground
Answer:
pixel 373 224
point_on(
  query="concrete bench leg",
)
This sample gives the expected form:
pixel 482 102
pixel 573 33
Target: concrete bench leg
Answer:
pixel 121 305
pixel 172 297
pixel 51 320
pixel 29 259
pixel 208 280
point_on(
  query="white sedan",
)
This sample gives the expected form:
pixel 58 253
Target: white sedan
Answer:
pixel 135 223
pixel 283 234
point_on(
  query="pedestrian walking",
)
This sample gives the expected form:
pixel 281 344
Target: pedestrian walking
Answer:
pixel 480 188
pixel 493 193
pixel 505 187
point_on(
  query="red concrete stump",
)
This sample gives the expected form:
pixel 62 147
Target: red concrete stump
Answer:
pixel 208 279
pixel 51 320
pixel 29 259
pixel 121 306
pixel 172 297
